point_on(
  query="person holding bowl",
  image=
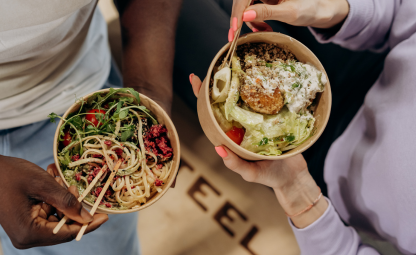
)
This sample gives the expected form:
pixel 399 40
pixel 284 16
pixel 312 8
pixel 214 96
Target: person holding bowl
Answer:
pixel 369 169
pixel 51 53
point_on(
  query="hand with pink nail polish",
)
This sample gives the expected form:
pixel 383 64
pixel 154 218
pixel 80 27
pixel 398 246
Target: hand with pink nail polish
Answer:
pixel 290 178
pixel 314 13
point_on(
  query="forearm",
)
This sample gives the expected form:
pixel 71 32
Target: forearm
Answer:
pixel 148 32
pixel 299 195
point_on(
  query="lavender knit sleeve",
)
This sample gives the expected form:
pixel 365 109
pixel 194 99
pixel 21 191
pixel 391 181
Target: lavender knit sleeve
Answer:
pixel 329 236
pixel 367 26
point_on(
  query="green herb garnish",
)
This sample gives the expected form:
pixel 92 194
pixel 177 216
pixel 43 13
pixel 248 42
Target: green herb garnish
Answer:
pixel 264 141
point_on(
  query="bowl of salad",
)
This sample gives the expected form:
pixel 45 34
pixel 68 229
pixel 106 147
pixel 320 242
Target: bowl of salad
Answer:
pixel 111 125
pixel 271 101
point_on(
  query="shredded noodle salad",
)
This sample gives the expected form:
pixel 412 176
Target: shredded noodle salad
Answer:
pixel 107 127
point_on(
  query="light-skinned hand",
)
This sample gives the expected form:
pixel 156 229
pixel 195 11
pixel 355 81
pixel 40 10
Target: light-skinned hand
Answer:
pixel 314 13
pixel 290 179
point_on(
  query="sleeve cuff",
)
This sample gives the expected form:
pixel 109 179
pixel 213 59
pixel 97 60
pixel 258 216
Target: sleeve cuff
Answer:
pixel 359 16
pixel 326 236
pixel 317 222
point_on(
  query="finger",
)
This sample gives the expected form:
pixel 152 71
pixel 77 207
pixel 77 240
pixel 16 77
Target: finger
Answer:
pixel 52 167
pixel 196 83
pixel 236 20
pixel 259 26
pixel 235 163
pixel 67 233
pixel 50 171
pixel 53 218
pixel 99 219
pixel 50 192
pixel 285 12
pixel 59 181
pixel 273 2
pixel 48 209
pixel 74 191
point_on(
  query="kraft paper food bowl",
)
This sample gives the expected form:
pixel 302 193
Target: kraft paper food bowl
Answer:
pixel 163 118
pixel 303 54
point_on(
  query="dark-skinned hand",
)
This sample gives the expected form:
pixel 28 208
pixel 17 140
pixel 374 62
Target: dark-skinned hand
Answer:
pixel 30 200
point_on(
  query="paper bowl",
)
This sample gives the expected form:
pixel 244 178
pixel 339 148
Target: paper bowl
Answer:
pixel 303 54
pixel 162 118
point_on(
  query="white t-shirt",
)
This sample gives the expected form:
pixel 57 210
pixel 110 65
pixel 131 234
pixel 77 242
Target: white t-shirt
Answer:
pixel 50 53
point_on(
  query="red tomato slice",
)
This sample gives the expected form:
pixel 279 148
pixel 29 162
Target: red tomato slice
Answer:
pixel 67 138
pixel 236 134
pixel 91 117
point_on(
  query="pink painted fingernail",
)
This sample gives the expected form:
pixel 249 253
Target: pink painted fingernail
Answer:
pixel 190 77
pixel 221 151
pixel 235 24
pixel 249 15
pixel 230 35
pixel 254 29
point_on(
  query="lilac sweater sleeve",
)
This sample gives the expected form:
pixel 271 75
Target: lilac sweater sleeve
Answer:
pixel 329 236
pixel 367 26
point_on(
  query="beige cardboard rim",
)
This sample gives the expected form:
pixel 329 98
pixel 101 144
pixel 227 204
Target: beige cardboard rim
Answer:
pixel 212 129
pixel 162 118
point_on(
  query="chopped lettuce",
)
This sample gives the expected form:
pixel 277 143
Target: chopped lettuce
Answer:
pixel 246 118
pixel 64 159
pixel 234 92
pixel 278 133
pixel 222 121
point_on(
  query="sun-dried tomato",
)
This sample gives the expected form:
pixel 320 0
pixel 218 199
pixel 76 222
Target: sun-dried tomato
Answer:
pixel 78 176
pixel 118 151
pixel 96 171
pixel 75 157
pixel 158 182
pixel 98 191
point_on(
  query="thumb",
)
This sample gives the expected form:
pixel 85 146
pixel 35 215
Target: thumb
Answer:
pixel 285 12
pixel 50 192
pixel 246 169
pixel 196 83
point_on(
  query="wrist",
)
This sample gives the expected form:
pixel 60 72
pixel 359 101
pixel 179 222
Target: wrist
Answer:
pixel 295 196
pixel 299 196
pixel 338 11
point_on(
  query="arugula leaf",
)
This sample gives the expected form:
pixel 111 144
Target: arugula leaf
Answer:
pixel 126 135
pixel 113 91
pixel 264 141
pixel 110 128
pixel 127 99
pixel 145 110
pixel 119 105
pixel 76 121
pixel 123 114
pixel 52 117
pixel 134 93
